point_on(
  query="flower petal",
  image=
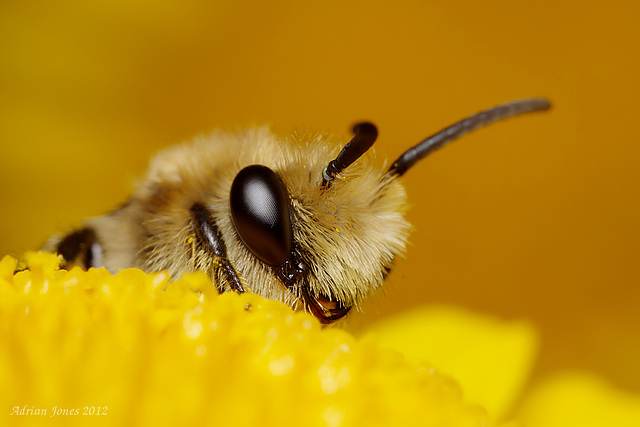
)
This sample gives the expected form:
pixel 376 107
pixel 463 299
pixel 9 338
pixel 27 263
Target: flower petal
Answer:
pixel 492 359
pixel 575 398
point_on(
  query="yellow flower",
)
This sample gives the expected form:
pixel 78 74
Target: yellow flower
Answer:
pixel 93 348
pixel 137 349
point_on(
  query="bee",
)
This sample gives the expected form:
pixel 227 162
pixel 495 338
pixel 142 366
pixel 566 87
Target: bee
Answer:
pixel 279 217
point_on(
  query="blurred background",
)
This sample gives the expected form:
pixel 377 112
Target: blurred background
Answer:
pixel 534 218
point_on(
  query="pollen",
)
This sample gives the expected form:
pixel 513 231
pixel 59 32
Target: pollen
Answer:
pixel 155 352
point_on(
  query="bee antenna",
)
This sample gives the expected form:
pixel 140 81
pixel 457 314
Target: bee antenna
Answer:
pixel 456 130
pixel 365 135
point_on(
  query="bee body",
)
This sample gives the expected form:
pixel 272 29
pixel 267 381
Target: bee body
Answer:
pixel 280 217
pixel 347 236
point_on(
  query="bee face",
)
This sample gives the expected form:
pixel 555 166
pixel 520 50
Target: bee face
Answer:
pixel 283 218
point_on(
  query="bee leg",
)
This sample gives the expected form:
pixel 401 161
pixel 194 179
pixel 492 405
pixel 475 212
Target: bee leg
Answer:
pixel 80 248
pixel 209 236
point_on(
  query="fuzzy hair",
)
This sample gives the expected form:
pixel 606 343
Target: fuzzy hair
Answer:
pixel 348 234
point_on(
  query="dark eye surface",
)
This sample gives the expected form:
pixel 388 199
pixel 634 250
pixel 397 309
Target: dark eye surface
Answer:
pixel 260 213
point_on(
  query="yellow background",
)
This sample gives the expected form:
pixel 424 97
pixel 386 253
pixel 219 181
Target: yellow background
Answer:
pixel 535 217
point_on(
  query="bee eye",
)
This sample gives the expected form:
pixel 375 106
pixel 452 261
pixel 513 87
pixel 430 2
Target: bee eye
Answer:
pixel 260 213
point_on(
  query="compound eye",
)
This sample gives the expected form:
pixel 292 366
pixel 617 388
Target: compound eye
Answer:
pixel 260 213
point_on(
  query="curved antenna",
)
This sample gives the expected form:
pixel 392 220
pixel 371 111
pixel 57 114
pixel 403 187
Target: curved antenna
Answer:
pixel 365 135
pixel 456 130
